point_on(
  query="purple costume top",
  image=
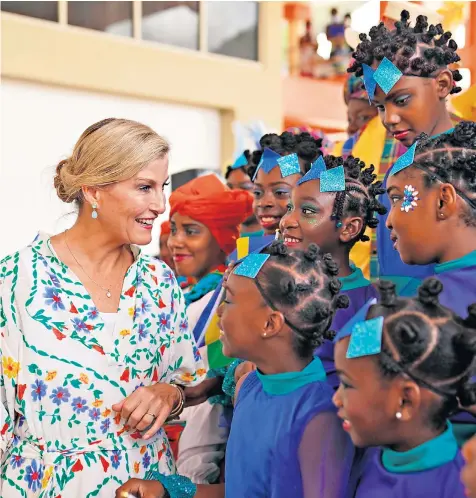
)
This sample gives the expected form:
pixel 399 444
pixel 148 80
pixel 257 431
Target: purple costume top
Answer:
pixel 429 470
pixel 286 439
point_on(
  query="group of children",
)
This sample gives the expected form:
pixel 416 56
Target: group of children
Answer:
pixel 345 386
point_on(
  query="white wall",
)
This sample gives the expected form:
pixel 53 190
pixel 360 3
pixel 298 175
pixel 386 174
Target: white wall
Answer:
pixel 39 126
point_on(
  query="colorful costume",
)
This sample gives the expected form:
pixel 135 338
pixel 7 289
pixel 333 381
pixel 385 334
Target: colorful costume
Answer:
pixel 431 469
pixel 64 364
pixel 286 438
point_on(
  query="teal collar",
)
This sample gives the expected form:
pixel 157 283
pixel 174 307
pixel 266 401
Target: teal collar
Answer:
pixel 285 383
pixel 443 132
pixel 456 264
pixel 434 453
pixel 260 233
pixel 355 280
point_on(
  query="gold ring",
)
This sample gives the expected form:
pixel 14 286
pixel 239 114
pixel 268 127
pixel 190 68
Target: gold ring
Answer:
pixel 151 414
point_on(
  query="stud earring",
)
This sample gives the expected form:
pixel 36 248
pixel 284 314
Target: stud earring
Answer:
pixel 265 334
pixel 442 215
pixel 94 214
pixel 398 415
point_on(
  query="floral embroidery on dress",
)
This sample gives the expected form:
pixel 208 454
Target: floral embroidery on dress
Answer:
pixel 59 433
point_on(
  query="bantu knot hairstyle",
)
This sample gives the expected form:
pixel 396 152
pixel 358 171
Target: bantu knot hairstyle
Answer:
pixel 451 158
pixel 307 147
pixel 429 343
pixel 421 50
pixel 360 196
pixel 303 285
pixel 252 158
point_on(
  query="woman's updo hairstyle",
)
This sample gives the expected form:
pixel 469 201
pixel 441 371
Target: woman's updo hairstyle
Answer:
pixel 107 152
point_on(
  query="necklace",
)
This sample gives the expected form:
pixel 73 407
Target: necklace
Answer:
pixel 107 291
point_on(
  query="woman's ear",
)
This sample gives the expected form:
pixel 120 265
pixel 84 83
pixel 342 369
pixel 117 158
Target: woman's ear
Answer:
pixel 447 202
pixel 351 228
pixel 444 83
pixel 91 195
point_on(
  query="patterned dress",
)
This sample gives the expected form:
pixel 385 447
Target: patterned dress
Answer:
pixel 61 373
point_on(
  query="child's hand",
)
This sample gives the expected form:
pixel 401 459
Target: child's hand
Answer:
pixel 139 488
pixel 243 369
pixel 468 474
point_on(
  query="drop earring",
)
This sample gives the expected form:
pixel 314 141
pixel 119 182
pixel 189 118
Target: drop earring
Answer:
pixel 94 214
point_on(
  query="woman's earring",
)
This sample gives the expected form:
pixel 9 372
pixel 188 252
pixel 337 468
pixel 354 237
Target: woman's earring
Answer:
pixel 94 214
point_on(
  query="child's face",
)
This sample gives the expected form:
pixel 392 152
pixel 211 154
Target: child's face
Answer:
pixel 366 402
pixel 241 318
pixel 308 219
pixel 413 106
pixel 272 194
pixel 417 233
pixel 359 113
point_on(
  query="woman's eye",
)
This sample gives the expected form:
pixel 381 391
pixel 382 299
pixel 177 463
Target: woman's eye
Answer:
pixel 402 101
pixel 165 185
pixel 345 385
pixel 145 188
pixel 290 208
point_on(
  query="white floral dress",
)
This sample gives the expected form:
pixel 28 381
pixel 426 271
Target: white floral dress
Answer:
pixel 61 373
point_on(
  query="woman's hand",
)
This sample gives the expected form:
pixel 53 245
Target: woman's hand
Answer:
pixel 139 488
pixel 148 407
pixel 468 474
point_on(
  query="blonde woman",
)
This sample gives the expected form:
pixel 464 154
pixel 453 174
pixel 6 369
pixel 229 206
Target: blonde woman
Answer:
pixel 93 334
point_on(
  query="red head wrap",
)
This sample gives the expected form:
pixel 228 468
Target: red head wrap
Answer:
pixel 165 228
pixel 206 200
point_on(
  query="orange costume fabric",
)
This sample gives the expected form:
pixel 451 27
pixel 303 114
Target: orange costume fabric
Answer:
pixel 207 200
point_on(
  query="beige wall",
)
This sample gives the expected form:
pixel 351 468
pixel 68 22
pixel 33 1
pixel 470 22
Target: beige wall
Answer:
pixel 55 54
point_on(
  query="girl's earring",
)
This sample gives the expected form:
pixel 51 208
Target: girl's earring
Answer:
pixel 398 415
pixel 265 334
pixel 94 214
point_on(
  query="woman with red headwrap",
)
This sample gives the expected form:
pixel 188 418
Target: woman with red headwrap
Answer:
pixel 205 216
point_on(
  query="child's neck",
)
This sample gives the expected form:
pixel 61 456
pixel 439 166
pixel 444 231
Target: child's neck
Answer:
pixel 278 362
pixel 416 437
pixel 463 242
pixel 443 124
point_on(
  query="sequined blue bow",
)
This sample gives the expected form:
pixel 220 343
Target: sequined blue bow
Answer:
pixel 240 162
pixel 385 76
pixel 251 265
pixel 404 160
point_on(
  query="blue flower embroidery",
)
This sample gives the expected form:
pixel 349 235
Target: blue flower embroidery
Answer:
pixel 94 414
pixel 53 298
pixel 145 306
pixel 17 461
pixel 143 332
pixel 38 390
pixel 116 458
pixel 146 460
pixel 93 313
pixel 79 405
pixel 105 425
pixel 60 395
pixel 80 326
pixel 54 279
pixel 183 325
pixel 169 277
pixel 164 322
pixel 34 475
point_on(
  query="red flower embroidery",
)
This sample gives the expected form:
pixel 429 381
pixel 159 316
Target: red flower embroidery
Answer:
pixel 21 391
pixel 161 304
pixel 78 466
pixel 73 309
pixel 125 375
pixel 59 335
pixel 155 377
pixel 130 292
pixel 105 463
pixel 99 349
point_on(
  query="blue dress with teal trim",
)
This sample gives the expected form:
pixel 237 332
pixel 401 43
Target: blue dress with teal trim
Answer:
pixel 271 415
pixel 359 290
pixel 430 470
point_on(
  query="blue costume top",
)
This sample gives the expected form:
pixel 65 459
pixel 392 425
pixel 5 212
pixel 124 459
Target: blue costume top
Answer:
pixel 360 291
pixel 429 470
pixel 286 440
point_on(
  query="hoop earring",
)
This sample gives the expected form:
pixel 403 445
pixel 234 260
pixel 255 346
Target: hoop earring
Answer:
pixel 94 214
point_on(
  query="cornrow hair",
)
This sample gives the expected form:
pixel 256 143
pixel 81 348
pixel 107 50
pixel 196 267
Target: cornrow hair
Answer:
pixel 451 158
pixel 307 147
pixel 421 50
pixel 360 195
pixel 303 285
pixel 429 343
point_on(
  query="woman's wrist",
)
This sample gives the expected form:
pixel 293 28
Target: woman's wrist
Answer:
pixel 179 403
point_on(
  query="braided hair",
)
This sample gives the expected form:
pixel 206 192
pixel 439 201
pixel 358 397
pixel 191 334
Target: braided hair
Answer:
pixel 252 158
pixel 360 195
pixel 429 343
pixel 307 147
pixel 416 51
pixel 303 285
pixel 451 158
